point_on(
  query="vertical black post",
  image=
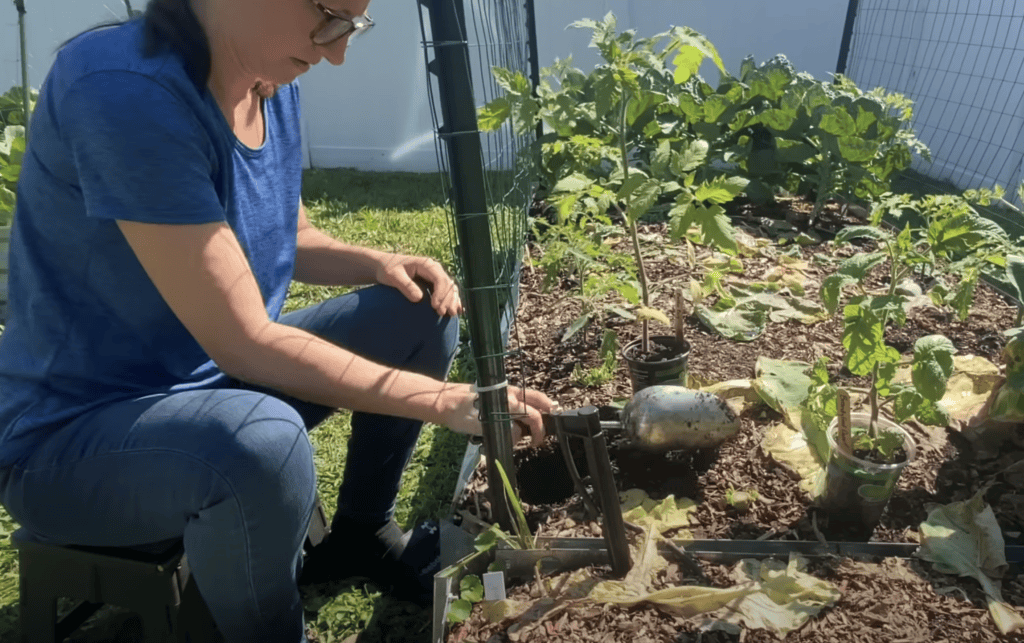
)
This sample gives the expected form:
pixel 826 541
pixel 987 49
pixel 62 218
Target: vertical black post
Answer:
pixel 472 224
pixel 844 44
pixel 531 34
pixel 20 6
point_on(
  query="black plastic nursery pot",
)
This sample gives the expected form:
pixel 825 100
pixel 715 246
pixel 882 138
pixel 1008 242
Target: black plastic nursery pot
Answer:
pixel 669 362
pixel 856 490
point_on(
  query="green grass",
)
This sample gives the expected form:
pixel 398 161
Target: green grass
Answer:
pixel 397 212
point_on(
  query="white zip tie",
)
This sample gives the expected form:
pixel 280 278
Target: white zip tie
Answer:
pixel 488 389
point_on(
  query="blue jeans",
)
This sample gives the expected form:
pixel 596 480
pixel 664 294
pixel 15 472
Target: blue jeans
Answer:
pixel 230 470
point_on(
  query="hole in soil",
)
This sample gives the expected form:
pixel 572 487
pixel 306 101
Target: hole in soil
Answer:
pixel 542 475
pixel 674 473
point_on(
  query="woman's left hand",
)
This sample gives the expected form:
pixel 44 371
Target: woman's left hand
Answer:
pixel 406 273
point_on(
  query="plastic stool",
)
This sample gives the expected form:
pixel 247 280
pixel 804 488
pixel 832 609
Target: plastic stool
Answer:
pixel 149 582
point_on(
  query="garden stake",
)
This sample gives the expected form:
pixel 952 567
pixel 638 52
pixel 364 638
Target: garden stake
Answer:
pixel 585 424
pixel 843 413
pixel 680 304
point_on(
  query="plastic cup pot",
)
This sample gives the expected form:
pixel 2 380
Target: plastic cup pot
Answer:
pixel 858 490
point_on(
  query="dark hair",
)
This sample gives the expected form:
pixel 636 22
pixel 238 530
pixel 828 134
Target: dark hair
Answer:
pixel 171 25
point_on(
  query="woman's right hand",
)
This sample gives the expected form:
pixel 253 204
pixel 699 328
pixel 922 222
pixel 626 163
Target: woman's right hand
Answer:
pixel 525 405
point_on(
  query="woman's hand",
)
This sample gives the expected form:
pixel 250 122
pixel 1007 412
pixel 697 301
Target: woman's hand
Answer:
pixel 525 405
pixel 404 271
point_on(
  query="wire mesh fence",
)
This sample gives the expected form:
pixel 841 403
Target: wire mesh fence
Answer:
pixel 962 63
pixel 497 34
pixel 488 179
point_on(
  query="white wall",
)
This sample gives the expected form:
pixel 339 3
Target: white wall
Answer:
pixel 808 32
pixel 372 113
pixel 47 24
pixel 392 120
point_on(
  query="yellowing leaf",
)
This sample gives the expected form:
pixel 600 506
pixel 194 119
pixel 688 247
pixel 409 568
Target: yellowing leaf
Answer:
pixel 652 313
pixel 964 538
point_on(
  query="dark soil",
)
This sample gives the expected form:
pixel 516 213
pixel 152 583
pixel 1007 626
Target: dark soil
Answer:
pixel 894 600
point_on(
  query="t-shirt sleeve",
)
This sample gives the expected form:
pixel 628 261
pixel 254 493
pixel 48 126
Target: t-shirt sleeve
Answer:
pixel 141 152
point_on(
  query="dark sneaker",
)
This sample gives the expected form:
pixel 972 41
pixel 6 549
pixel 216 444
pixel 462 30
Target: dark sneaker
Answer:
pixel 404 565
pixel 419 560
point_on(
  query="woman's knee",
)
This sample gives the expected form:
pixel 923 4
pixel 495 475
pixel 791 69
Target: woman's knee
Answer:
pixel 261 446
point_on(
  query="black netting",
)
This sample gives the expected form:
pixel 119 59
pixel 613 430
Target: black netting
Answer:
pixel 488 179
pixel 962 63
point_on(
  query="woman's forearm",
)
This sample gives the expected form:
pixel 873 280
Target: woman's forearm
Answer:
pixel 324 261
pixel 304 366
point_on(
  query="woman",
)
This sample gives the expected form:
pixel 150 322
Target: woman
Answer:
pixel 150 388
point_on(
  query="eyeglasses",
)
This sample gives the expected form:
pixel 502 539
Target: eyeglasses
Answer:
pixel 336 26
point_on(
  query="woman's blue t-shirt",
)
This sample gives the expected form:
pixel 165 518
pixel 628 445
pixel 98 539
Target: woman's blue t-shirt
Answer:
pixel 116 135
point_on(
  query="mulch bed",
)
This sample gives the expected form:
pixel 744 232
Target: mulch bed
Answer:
pixel 892 600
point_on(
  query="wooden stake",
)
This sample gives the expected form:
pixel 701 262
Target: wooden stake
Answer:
pixel 680 303
pixel 843 436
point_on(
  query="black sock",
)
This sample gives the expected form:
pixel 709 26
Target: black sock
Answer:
pixel 376 539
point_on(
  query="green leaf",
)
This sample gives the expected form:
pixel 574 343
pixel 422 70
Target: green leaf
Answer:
pixel 932 413
pixel 1015 274
pixel 459 611
pixel 932 366
pixel 11 135
pixel 883 381
pixel 777 119
pixel 606 91
pixel 741 324
pixel 863 338
pixel 10 173
pixel 522 528
pixel 747 68
pixel 573 184
pixel 576 326
pixel 487 540
pixel 691 158
pixel 715 106
pixel 7 200
pixel 17 152
pixel 513 82
pixel 865 119
pixel 630 185
pixel 838 122
pixel 687 62
pixel 683 37
pixel 471 588
pixel 629 290
pixel 715 228
pixel 964 293
pixel 856 149
pixel 721 190
pixel 644 198
pixel 850 233
pixel 661 158
pixel 819 372
pixel 782 384
pixel 832 287
pixel 859 265
pixel 493 114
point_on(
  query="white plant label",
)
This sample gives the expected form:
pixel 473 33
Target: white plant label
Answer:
pixel 494 586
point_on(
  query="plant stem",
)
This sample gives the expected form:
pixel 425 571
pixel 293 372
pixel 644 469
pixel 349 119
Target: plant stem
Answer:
pixel 824 186
pixel 873 399
pixel 645 341
pixel 895 276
